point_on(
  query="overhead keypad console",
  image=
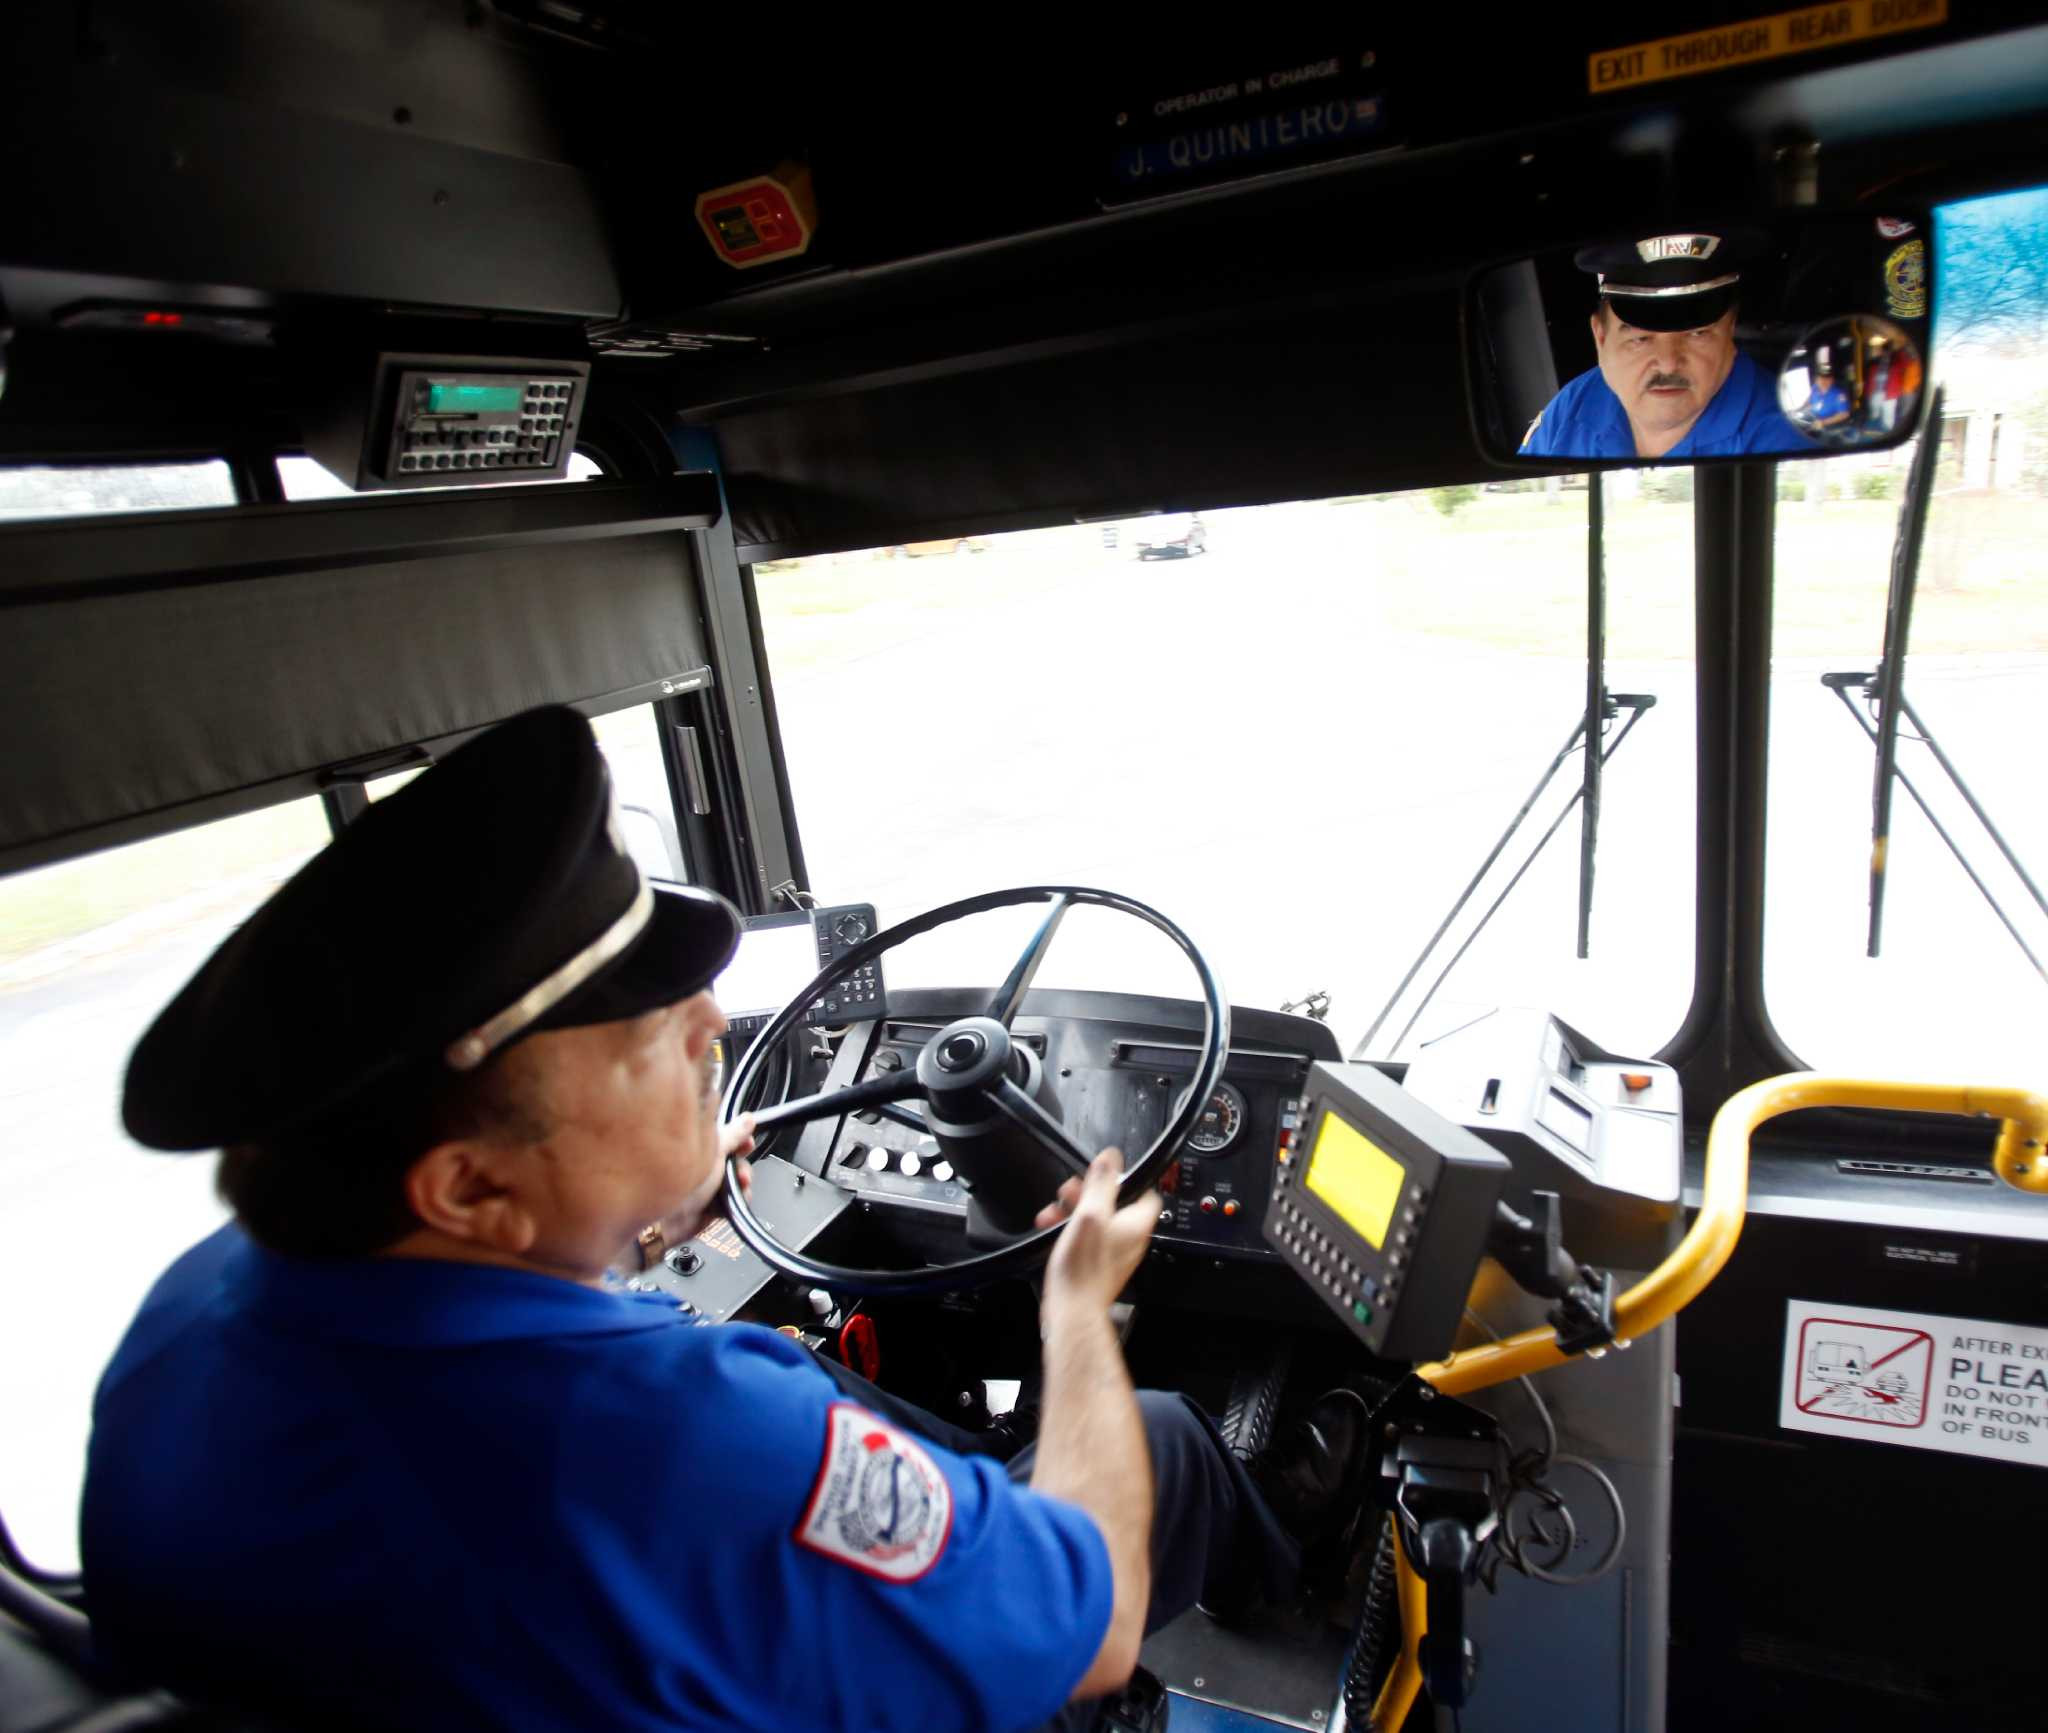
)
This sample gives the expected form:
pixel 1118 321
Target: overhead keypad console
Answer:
pixel 419 420
pixel 450 424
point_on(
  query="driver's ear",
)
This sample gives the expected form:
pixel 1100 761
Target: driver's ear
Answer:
pixel 465 1188
pixel 1599 332
pixel 703 1022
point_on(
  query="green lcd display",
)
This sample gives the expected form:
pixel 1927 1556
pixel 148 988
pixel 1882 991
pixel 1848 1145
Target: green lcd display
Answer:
pixel 1356 1178
pixel 474 399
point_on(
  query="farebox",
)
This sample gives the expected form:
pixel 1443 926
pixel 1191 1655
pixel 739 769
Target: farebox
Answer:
pixel 1383 1207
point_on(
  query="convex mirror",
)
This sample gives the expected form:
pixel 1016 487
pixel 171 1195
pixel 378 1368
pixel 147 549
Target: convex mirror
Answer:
pixel 1849 382
pixel 1799 335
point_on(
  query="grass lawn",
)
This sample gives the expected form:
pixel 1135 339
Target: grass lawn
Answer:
pixel 1506 570
pixel 190 875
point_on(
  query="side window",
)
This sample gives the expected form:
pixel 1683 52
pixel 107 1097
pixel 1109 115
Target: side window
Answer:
pixel 631 742
pixel 79 490
pixel 90 951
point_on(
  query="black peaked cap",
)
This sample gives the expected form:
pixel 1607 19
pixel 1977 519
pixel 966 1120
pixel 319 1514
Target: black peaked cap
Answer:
pixel 1674 281
pixel 434 913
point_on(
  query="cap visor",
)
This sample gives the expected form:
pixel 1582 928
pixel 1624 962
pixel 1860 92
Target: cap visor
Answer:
pixel 688 940
pixel 1672 312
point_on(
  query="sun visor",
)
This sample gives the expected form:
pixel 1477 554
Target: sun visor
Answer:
pixel 126 694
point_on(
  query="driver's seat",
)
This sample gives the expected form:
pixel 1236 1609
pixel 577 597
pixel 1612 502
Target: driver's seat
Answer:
pixel 45 1687
pixel 48 1683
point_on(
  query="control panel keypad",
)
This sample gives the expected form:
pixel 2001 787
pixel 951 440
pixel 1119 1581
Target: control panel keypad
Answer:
pixel 449 422
pixel 859 994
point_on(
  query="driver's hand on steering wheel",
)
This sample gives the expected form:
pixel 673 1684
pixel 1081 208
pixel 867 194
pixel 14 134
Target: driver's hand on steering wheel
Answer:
pixel 738 1139
pixel 1102 1245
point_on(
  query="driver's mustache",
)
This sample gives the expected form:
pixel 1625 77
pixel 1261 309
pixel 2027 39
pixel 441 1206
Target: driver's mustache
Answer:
pixel 1661 379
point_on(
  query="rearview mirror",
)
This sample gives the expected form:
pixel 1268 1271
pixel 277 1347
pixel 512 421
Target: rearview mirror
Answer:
pixel 1801 337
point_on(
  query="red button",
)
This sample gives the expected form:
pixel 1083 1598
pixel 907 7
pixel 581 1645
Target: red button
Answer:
pixel 1208 1206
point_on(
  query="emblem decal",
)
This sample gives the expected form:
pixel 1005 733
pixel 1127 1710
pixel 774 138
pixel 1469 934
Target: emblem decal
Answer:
pixel 1677 247
pixel 880 1503
pixel 1905 281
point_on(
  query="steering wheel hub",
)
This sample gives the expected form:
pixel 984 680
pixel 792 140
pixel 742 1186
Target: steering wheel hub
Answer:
pixel 964 1055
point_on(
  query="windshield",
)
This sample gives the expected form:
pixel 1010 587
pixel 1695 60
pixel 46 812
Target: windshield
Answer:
pixel 1300 745
pixel 1957 982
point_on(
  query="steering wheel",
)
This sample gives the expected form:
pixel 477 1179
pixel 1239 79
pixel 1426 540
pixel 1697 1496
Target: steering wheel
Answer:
pixel 986 1100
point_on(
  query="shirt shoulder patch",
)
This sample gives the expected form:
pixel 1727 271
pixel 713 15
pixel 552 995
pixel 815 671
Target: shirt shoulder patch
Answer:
pixel 880 1503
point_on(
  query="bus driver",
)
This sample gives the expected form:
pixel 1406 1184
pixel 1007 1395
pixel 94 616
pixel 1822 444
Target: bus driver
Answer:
pixel 391 1449
pixel 1670 382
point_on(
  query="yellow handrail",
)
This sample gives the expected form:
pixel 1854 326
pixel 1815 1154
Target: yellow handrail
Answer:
pixel 2020 1158
pixel 1397 1695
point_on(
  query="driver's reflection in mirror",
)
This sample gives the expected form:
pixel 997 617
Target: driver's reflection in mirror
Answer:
pixel 1851 380
pixel 1670 382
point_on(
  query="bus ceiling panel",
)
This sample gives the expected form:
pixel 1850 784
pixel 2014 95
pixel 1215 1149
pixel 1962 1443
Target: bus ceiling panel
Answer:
pixel 120 707
pixel 973 181
pixel 434 71
pixel 125 168
pixel 1948 87
pixel 1348 402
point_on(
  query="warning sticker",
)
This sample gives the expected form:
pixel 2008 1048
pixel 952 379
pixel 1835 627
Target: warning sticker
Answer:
pixel 1801 32
pixel 1959 1384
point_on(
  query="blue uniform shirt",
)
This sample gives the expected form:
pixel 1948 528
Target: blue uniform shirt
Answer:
pixel 440 1495
pixel 1826 401
pixel 1586 419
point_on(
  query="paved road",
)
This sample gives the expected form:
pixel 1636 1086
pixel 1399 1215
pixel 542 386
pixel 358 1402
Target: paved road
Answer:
pixel 1239 740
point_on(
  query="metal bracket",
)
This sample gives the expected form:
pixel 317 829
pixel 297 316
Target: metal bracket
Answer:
pixel 1531 1249
pixel 1443 1472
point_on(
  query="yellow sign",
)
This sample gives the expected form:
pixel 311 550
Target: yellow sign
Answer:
pixel 1801 32
pixel 1356 1178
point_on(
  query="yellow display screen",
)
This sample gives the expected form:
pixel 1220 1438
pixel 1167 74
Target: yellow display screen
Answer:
pixel 1355 1177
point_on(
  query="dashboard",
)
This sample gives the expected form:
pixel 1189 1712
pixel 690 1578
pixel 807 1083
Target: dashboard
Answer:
pixel 1119 1064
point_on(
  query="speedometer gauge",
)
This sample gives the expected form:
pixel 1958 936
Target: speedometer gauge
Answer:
pixel 1220 1123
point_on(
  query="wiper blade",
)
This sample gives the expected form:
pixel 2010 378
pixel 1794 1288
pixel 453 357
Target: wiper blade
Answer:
pixel 1602 708
pixel 1596 698
pixel 1867 684
pixel 1613 704
pixel 1891 671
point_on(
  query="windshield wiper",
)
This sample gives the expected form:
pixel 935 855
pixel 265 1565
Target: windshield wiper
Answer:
pixel 1884 695
pixel 1868 687
pixel 1590 731
pixel 1595 712
pixel 1891 668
